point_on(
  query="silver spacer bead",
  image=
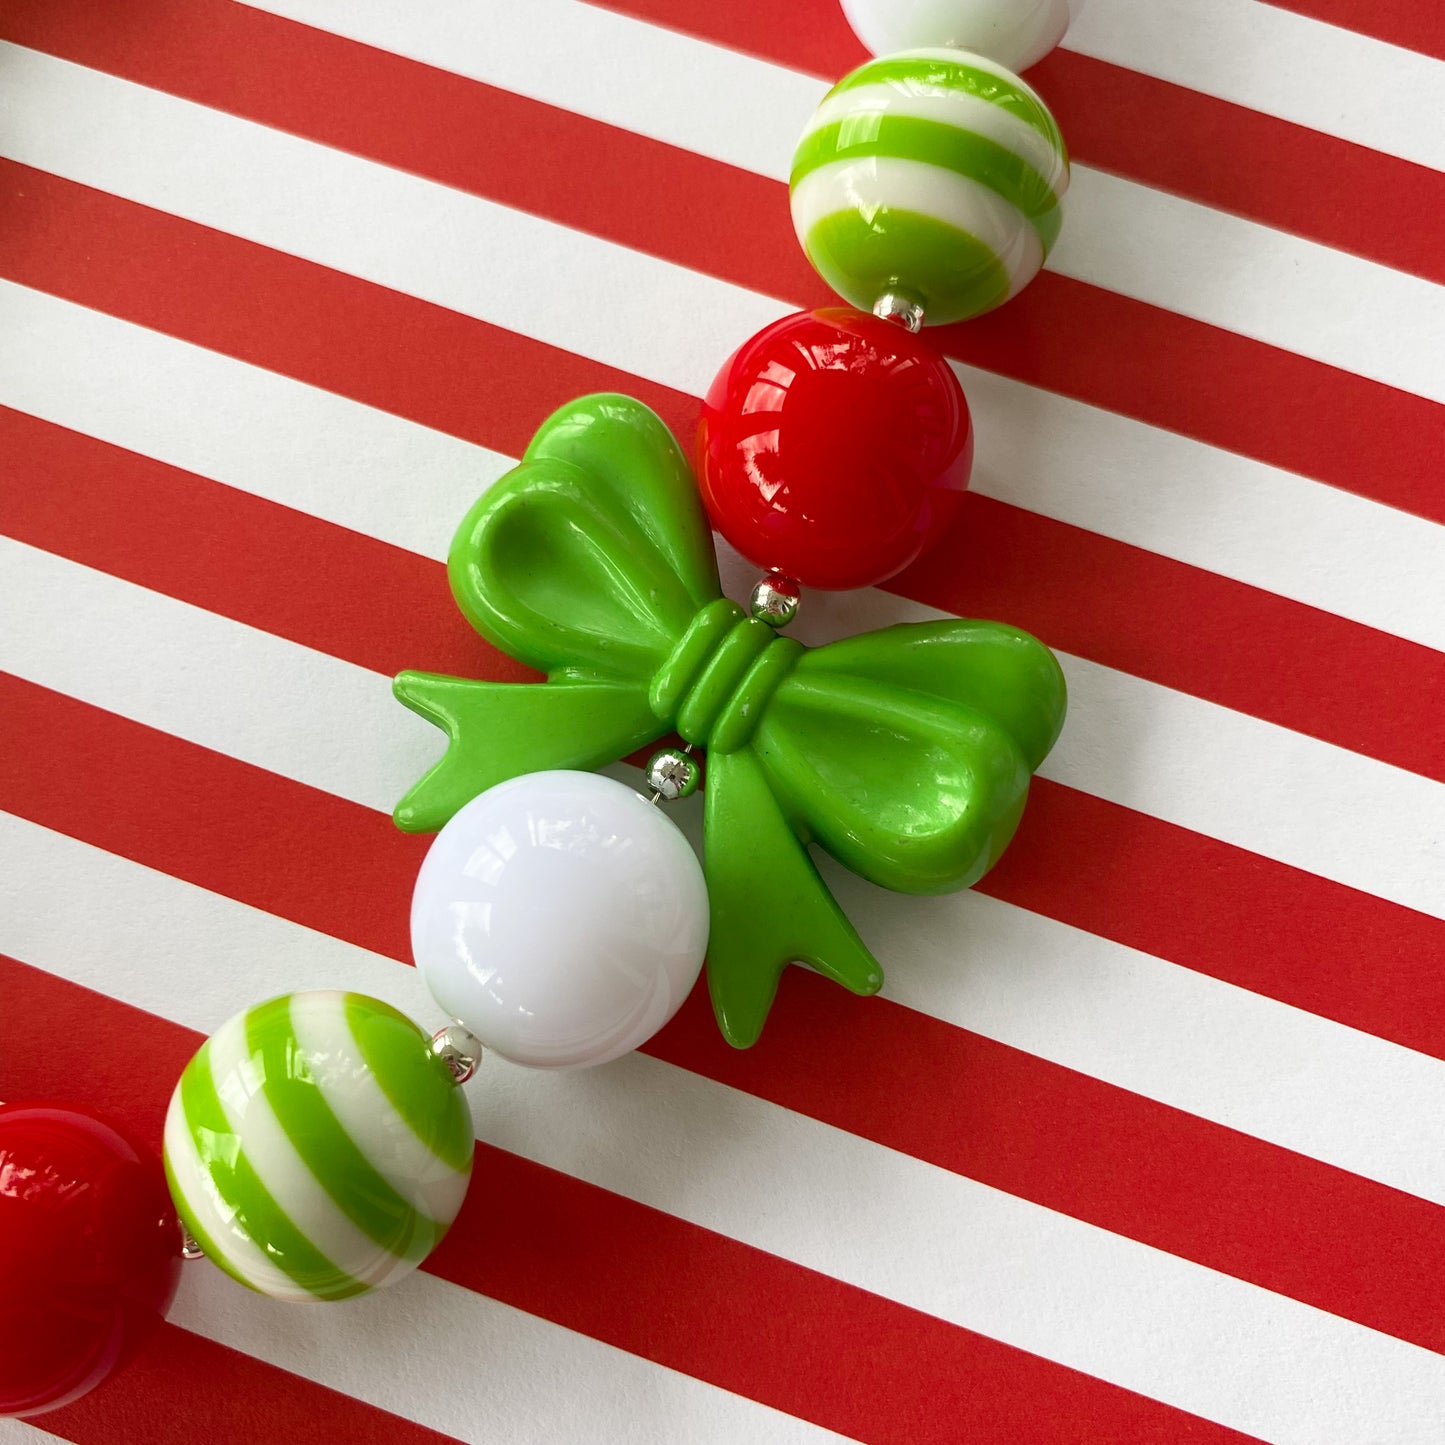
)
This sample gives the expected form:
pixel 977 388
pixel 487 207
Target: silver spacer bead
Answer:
pixel 902 310
pixel 190 1249
pixel 673 774
pixel 459 1049
pixel 775 600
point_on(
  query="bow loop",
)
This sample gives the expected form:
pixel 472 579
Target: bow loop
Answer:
pixel 907 753
pixel 592 556
pixel 988 668
pixel 716 683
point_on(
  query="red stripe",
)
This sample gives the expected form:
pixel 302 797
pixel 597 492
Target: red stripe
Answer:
pixel 127 515
pixel 1157 1174
pixel 1332 950
pixel 1235 159
pixel 1162 368
pixel 377 346
pixel 1414 24
pixel 1192 630
pixel 1120 605
pixel 637 1278
pixel 1223 155
pixel 1275 930
pixel 183 1388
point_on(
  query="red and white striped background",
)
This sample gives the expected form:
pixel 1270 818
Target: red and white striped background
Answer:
pixel 1143 1140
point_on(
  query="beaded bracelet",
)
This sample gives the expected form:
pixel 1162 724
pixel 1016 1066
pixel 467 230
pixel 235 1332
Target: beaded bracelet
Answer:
pixel 317 1145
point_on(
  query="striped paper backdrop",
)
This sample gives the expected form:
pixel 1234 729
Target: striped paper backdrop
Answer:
pixel 1143 1140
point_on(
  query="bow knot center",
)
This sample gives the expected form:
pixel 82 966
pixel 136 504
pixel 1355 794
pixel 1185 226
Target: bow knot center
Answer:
pixel 719 678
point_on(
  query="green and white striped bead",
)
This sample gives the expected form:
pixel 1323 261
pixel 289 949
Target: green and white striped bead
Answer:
pixel 316 1147
pixel 936 175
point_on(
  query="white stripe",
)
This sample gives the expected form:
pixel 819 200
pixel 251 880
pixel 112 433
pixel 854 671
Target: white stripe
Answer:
pixel 385 226
pixel 1280 289
pixel 580 58
pixel 1286 65
pixel 271 702
pixel 750 113
pixel 873 182
pixel 1212 509
pixel 18 1432
pixel 263 433
pixel 478 1370
pixel 193 1182
pixel 367 1115
pixel 1260 787
pixel 885 1222
pixel 212 681
pixel 336 459
pixel 956 108
pixel 979 1258
pixel 1161 1031
pixel 283 1173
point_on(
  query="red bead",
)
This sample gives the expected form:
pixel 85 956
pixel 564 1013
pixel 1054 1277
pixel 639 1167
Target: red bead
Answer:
pixel 834 447
pixel 89 1253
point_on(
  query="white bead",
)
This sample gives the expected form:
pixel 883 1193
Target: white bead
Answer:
pixel 561 917
pixel 1016 33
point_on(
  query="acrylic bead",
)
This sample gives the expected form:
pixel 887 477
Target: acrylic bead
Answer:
pixel 935 175
pixel 561 917
pixel 89 1253
pixel 317 1146
pixel 1016 33
pixel 834 447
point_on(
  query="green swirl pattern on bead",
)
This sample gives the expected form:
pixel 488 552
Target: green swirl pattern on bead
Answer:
pixel 316 1148
pixel 935 174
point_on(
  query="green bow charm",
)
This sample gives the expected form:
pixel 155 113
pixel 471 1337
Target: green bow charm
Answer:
pixel 905 753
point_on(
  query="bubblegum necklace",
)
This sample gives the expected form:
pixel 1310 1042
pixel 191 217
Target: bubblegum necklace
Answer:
pixel 317 1145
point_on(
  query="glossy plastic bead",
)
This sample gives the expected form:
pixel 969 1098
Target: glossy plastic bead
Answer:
pixel 935 175
pixel 834 447
pixel 317 1146
pixel 89 1253
pixel 1016 33
pixel 561 918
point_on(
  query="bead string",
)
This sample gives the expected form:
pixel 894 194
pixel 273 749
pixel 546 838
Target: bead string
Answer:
pixel 317 1145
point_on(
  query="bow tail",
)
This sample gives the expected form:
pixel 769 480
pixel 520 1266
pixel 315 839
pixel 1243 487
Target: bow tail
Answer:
pixel 500 730
pixel 770 906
